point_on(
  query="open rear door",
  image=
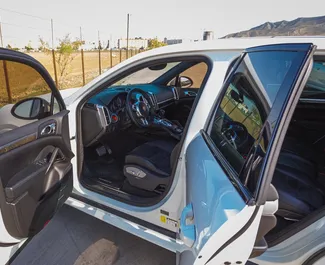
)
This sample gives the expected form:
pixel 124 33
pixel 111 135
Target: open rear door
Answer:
pixel 35 154
pixel 229 165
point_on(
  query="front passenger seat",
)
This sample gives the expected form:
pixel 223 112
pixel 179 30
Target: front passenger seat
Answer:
pixel 149 166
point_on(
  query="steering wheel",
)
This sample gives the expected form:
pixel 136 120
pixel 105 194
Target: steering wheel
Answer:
pixel 139 107
pixel 236 133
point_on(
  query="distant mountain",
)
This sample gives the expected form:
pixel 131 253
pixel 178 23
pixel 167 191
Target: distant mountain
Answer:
pixel 310 26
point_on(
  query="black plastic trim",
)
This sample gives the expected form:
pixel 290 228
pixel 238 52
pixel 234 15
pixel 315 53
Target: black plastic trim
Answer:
pixel 293 229
pixel 237 235
pixel 125 216
pixel 19 250
pixel 315 257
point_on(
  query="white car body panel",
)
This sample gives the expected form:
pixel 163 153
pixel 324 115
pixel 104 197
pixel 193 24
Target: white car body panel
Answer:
pixel 152 236
pixel 238 250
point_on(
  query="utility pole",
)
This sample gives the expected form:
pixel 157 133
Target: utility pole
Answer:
pixel 1 38
pixel 82 59
pixel 80 34
pixel 99 55
pixel 127 35
pixel 52 29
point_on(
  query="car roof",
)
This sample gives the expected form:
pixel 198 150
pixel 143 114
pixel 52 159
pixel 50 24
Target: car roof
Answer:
pixel 237 44
pixel 231 46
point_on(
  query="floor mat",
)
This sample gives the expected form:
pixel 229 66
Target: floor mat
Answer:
pixel 104 167
pixel 104 170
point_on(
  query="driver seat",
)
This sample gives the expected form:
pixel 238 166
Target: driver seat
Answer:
pixel 149 166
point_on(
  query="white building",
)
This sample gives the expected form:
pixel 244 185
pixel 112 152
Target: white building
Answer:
pixel 176 41
pixel 133 43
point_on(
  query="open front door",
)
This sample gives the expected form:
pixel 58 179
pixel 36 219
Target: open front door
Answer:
pixel 229 165
pixel 35 168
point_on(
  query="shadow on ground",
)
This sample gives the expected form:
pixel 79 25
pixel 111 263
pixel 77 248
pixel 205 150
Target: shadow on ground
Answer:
pixel 73 237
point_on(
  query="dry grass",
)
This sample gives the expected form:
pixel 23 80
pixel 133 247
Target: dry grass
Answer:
pixel 91 60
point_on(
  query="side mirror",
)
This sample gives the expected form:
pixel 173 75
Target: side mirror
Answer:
pixel 31 109
pixel 185 82
pixel 235 96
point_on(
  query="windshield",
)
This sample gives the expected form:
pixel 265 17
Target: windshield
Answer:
pixel 315 86
pixel 146 75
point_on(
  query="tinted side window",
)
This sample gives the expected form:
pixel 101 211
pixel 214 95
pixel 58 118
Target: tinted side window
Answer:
pixel 196 73
pixel 238 123
pixel 19 81
pixel 193 77
pixel 22 83
pixel 315 87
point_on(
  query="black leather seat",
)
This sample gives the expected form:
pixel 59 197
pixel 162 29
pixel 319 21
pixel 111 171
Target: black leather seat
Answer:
pixel 295 179
pixel 149 166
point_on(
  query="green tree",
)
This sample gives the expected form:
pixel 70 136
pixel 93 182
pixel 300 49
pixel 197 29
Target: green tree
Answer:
pixel 155 43
pixel 12 48
pixel 29 47
pixel 65 53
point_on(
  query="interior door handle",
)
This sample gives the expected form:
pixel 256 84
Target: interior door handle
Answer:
pixel 57 153
pixel 49 129
pixel 187 226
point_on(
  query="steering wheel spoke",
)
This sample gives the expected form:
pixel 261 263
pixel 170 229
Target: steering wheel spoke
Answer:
pixel 144 122
pixel 139 107
pixel 134 108
pixel 236 134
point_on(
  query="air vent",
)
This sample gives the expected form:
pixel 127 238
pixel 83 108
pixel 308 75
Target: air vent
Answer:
pixel 107 114
pixel 153 99
pixel 104 116
pixel 176 96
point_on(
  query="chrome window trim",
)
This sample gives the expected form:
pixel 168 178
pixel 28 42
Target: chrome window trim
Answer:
pixel 312 100
pixel 105 120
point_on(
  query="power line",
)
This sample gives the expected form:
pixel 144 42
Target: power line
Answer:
pixel 57 23
pixel 16 25
pixel 23 14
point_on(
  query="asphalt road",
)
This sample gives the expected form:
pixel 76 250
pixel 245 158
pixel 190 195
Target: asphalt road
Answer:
pixel 73 237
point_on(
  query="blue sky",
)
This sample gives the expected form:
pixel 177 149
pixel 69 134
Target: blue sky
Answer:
pixel 167 18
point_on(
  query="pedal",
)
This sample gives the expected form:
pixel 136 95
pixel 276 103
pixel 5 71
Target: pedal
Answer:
pixel 108 149
pixel 101 150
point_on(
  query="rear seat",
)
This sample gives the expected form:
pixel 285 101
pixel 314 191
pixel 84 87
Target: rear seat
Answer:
pixel 295 179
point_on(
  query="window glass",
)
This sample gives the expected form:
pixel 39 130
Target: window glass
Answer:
pixel 196 73
pixel 193 77
pixel 22 83
pixel 240 118
pixel 56 107
pixel 147 75
pixel 19 81
pixel 315 86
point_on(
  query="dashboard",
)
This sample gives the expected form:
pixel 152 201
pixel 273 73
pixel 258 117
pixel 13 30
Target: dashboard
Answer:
pixel 117 104
pixel 106 112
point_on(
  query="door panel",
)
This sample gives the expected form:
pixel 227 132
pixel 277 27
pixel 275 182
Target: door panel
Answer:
pixel 228 177
pixel 35 153
pixel 36 174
